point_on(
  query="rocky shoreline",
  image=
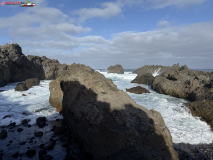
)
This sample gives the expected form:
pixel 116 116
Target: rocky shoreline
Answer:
pixel 100 121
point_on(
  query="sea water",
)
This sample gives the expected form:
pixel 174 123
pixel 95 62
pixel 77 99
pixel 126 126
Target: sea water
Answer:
pixel 182 125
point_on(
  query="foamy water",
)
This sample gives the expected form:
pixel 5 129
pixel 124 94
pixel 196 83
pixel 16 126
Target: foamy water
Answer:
pixel 31 106
pixel 182 125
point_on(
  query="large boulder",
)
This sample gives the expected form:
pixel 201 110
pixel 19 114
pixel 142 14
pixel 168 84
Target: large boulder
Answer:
pixel 32 82
pixel 138 90
pixel 146 78
pixel 115 69
pixel 156 69
pixel 21 87
pixel 186 83
pixel 203 109
pixel 107 121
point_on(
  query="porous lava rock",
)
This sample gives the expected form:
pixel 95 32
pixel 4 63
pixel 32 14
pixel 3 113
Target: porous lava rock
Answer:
pixel 115 69
pixel 156 69
pixel 185 83
pixel 21 87
pixel 16 67
pixel 41 122
pixel 138 90
pixel 107 121
pixel 146 78
pixel 32 82
pixel 203 109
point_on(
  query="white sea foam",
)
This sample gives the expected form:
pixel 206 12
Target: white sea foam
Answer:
pixel 25 107
pixel 156 72
pixel 182 125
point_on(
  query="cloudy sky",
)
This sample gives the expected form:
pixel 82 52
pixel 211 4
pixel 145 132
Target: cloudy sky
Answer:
pixel 101 33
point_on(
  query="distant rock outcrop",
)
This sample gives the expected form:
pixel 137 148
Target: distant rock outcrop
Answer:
pixel 146 78
pixel 32 82
pixel 138 90
pixel 109 124
pixel 21 87
pixel 115 69
pixel 16 67
pixel 156 69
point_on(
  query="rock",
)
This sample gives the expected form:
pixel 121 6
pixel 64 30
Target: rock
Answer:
pixel 16 154
pixel 25 122
pixel 47 157
pixel 41 122
pixel 58 130
pixel 2 90
pixel 23 143
pixel 50 145
pixel 32 82
pixel 157 69
pixel 3 134
pixel 138 90
pixel 31 152
pixel 146 78
pixel 115 69
pixel 7 116
pixel 24 95
pixel 188 84
pixel 11 141
pixel 107 122
pixel 12 124
pixel 20 129
pixel 21 87
pixel 41 154
pixel 38 133
pixel 202 109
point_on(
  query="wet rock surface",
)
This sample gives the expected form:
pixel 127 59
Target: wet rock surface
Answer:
pixel 41 122
pixel 146 78
pixel 138 90
pixel 106 120
pixel 115 69
pixel 32 82
pixel 21 87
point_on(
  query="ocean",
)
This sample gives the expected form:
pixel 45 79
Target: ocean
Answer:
pixel 182 125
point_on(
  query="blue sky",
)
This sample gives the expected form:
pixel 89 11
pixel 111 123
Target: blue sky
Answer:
pixel 132 33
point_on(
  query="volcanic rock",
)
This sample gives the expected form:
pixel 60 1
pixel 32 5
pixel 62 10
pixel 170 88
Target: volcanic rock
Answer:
pixel 50 145
pixel 32 82
pixel 156 69
pixel 146 78
pixel 38 133
pixel 31 152
pixel 106 120
pixel 21 87
pixel 20 129
pixel 3 134
pixel 138 90
pixel 203 109
pixel 41 122
pixel 186 83
pixel 115 69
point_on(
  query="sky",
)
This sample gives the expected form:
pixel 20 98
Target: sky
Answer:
pixel 101 33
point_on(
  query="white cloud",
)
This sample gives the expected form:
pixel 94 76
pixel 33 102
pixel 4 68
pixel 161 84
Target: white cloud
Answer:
pixel 109 10
pixel 163 24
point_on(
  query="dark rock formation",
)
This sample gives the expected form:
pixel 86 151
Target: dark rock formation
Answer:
pixel 146 78
pixel 106 120
pixel 50 145
pixel 3 134
pixel 138 90
pixel 152 69
pixel 203 109
pixel 20 129
pixel 31 152
pixel 21 87
pixel 38 133
pixel 41 122
pixel 32 82
pixel 115 69
pixel 188 84
pixel 16 67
